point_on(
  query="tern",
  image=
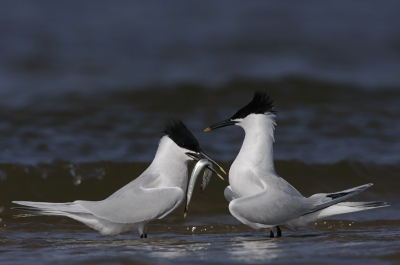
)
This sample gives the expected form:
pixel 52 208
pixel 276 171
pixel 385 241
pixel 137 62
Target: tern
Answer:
pixel 154 194
pixel 257 195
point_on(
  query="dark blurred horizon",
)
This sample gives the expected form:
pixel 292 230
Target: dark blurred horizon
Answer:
pixel 51 47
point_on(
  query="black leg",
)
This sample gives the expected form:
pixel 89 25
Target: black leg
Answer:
pixel 271 234
pixel 141 236
pixel 145 235
pixel 278 231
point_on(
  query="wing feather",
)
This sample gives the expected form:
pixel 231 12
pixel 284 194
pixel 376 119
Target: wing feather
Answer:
pixel 276 203
pixel 265 208
pixel 138 206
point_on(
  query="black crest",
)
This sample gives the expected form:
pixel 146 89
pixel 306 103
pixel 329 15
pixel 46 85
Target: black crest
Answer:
pixel 260 104
pixel 181 135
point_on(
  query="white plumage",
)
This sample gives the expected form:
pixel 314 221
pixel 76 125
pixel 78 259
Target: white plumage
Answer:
pixel 258 196
pixel 153 195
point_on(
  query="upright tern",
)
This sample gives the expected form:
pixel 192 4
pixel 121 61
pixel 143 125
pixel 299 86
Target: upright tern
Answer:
pixel 258 196
pixel 153 195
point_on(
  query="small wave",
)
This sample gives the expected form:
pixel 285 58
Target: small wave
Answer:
pixel 317 122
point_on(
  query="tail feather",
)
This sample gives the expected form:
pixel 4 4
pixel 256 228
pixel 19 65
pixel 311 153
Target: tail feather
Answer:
pixel 304 221
pixel 348 207
pixel 75 211
pixel 336 197
pixel 47 207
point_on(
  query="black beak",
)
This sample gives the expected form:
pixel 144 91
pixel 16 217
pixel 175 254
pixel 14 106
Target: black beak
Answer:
pixel 200 155
pixel 220 124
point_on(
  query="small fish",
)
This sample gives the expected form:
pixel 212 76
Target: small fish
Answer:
pixel 202 163
pixel 206 179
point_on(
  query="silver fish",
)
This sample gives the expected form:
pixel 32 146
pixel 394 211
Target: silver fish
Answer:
pixel 202 163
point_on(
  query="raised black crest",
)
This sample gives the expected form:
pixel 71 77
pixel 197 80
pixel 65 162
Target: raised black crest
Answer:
pixel 260 104
pixel 177 131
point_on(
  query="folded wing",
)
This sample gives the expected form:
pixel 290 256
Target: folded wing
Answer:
pixel 137 206
pixel 269 208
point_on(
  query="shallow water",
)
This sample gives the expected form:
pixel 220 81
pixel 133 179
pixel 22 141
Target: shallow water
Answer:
pixel 86 88
pixel 332 242
pixel 209 234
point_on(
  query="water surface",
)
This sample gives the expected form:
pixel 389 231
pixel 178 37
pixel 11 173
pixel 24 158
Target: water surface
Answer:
pixel 86 88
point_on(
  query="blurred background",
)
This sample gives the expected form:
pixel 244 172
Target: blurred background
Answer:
pixel 97 80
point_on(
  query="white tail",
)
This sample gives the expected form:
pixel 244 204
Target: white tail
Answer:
pixel 332 204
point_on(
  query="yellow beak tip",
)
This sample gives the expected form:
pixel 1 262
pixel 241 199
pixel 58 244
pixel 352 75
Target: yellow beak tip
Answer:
pixel 207 129
pixel 220 176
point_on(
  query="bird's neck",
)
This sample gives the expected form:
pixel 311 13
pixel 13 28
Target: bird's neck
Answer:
pixel 257 148
pixel 171 163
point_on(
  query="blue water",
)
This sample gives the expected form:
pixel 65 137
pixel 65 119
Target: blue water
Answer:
pixel 356 245
pixel 77 79
pixel 52 47
pixel 87 86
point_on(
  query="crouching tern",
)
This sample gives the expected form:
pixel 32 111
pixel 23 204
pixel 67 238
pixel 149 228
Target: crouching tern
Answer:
pixel 258 196
pixel 153 195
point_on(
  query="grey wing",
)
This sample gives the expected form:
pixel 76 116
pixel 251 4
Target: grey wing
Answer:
pixel 270 207
pixel 138 205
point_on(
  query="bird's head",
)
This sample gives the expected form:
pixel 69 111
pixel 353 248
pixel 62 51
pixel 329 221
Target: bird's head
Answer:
pixel 260 105
pixel 185 140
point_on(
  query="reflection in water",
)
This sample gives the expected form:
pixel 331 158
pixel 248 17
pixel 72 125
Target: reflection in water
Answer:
pixel 250 251
pixel 77 245
pixel 181 251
